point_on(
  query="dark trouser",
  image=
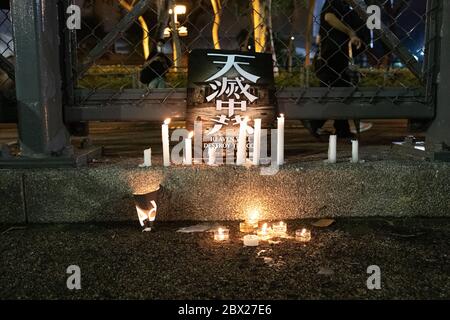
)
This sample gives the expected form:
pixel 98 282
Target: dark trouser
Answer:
pixel 330 76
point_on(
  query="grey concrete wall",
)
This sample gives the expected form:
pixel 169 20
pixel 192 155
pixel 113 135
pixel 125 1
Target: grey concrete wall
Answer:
pixel 104 193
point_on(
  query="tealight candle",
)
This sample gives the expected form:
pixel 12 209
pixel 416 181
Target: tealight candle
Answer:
pixel 246 227
pixel 251 240
pixel 303 235
pixel 221 234
pixel 265 232
pixel 279 228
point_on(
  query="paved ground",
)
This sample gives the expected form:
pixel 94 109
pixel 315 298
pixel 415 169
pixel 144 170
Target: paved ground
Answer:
pixel 118 261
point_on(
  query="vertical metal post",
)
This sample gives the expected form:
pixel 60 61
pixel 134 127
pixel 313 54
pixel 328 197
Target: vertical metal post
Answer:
pixel 438 135
pixel 68 67
pixel 42 133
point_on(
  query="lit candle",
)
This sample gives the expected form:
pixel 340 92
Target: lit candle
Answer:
pixel 165 141
pixel 211 156
pixel 303 235
pixel 265 232
pixel 246 227
pixel 332 149
pixel 279 228
pixel 221 234
pixel 253 218
pixel 257 142
pixel 355 151
pixel 188 149
pixel 198 141
pixel 242 143
pixel 147 157
pixel 251 240
pixel 280 140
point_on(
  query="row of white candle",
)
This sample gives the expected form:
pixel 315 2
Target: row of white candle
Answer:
pixel 241 153
pixel 332 153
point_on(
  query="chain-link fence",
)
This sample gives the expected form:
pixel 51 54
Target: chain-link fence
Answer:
pixel 6 50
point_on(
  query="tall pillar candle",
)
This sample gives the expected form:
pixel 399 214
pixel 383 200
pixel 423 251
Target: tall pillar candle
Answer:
pixel 257 142
pixel 188 149
pixel 355 151
pixel 165 142
pixel 211 156
pixel 332 149
pixel 280 140
pixel 242 143
pixel 148 157
pixel 198 141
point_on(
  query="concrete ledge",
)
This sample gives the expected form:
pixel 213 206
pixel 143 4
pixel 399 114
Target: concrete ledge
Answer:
pixel 12 204
pixel 312 189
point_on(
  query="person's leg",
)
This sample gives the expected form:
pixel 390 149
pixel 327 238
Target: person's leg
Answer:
pixel 342 127
pixel 325 77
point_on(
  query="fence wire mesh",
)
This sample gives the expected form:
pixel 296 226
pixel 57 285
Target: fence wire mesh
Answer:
pixel 129 44
pixel 6 51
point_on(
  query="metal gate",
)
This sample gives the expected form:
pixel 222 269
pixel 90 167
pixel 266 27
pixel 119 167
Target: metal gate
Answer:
pixel 395 78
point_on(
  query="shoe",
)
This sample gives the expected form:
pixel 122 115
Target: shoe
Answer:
pixel 363 126
pixel 309 127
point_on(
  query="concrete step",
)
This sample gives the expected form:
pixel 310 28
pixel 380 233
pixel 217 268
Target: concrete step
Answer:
pixel 103 192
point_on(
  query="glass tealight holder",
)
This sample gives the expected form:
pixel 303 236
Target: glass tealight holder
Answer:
pixel 265 233
pixel 246 227
pixel 221 234
pixel 251 240
pixel 303 235
pixel 279 228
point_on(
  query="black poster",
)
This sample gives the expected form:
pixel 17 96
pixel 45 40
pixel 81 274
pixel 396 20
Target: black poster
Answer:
pixel 224 87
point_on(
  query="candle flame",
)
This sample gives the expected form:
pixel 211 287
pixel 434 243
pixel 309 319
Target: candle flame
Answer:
pixel 191 134
pixel 167 121
pixel 264 227
pixel 282 115
pixel 220 230
pixel 303 231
